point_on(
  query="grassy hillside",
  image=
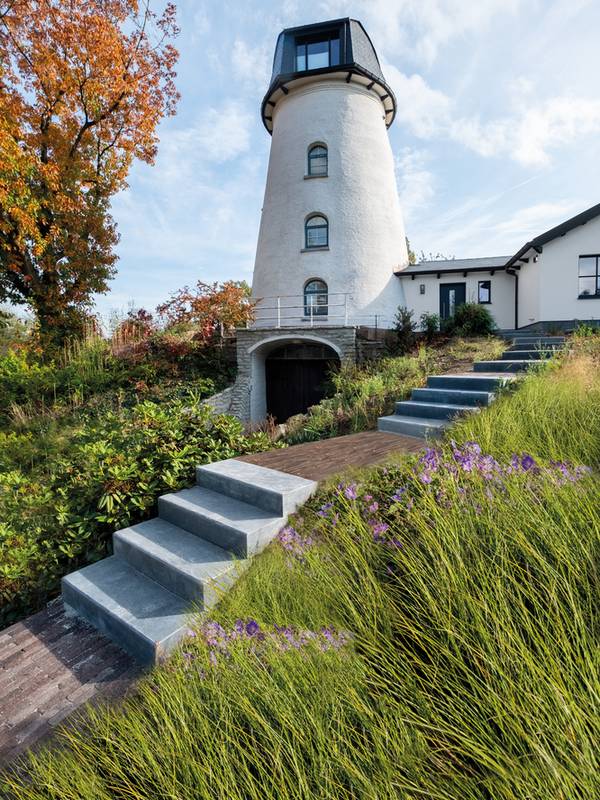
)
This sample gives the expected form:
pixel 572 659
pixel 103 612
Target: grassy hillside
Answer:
pixel 427 629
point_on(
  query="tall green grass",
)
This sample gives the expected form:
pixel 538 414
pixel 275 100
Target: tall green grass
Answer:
pixel 472 672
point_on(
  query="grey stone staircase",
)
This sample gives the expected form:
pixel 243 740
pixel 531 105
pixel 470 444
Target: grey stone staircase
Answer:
pixel 184 559
pixel 446 397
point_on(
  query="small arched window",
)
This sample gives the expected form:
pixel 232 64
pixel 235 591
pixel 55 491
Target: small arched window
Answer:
pixel 317 159
pixel 315 298
pixel 316 231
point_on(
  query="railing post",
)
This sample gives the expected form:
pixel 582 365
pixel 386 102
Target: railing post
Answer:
pixel 346 309
pixel 279 312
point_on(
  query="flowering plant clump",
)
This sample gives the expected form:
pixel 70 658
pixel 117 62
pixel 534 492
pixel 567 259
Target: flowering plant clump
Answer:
pixel 460 475
pixel 295 545
pixel 220 640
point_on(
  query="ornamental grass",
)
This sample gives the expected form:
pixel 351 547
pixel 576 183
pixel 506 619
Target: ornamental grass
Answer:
pixel 424 629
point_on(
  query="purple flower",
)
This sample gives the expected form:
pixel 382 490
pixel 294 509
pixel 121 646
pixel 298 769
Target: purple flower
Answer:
pixel 527 462
pixel 350 492
pixel 399 494
pixel 322 512
pixel 425 477
pixel 252 628
pixel 373 507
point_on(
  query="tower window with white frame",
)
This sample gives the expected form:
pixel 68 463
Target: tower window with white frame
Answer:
pixel 316 298
pixel 316 232
pixel 317 160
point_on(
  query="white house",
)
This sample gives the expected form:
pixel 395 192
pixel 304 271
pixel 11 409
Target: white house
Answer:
pixel 553 281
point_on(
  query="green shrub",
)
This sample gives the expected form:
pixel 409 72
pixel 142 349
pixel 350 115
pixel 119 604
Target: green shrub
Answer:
pixel 405 328
pixel 470 319
pixel 110 475
pixel 430 325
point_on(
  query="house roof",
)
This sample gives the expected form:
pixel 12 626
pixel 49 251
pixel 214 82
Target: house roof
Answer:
pixel 554 233
pixel 454 265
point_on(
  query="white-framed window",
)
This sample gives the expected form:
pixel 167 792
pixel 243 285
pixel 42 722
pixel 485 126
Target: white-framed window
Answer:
pixel 316 231
pixel 317 159
pixel 315 298
pixel 484 292
pixel 589 276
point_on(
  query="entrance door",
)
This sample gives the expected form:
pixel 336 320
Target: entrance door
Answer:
pixel 296 377
pixel 294 385
pixel 452 295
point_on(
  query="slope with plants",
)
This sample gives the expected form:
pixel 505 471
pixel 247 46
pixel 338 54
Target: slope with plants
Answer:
pixel 423 629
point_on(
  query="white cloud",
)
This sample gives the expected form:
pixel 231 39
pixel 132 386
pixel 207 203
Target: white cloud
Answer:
pixel 420 28
pixel 415 182
pixel 252 64
pixel 527 135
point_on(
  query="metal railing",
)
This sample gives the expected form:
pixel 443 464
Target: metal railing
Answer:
pixel 329 310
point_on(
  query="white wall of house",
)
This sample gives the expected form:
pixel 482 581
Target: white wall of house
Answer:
pixel 529 292
pixel 502 307
pixel 359 197
pixel 559 274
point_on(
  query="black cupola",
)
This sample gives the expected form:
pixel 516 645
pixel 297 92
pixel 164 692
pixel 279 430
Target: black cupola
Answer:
pixel 339 47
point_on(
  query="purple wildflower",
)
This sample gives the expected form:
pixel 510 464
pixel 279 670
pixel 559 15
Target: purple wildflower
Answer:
pixel 373 507
pixel 350 492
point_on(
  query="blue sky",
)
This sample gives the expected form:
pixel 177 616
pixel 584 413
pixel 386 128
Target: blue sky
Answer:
pixel 497 135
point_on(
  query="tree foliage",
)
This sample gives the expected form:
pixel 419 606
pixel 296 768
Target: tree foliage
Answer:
pixel 212 308
pixel 83 86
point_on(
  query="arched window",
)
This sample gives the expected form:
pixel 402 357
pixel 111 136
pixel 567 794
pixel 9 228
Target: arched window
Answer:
pixel 317 159
pixel 315 298
pixel 316 230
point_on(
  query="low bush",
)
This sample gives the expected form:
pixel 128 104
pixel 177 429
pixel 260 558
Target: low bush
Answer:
pixel 108 474
pixel 405 328
pixel 430 325
pixel 470 319
pixel 427 628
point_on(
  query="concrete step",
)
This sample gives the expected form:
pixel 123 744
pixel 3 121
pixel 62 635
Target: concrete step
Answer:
pixel 229 523
pixel 268 489
pixel 524 355
pixel 502 366
pixel 181 562
pixel 140 615
pixel 460 397
pixel 469 381
pixel 545 348
pixel 420 427
pixel 558 341
pixel 414 408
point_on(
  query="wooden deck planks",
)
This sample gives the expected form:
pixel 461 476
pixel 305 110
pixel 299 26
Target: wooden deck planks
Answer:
pixel 320 460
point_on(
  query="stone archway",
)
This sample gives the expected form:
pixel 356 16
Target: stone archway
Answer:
pixel 289 374
pixel 296 377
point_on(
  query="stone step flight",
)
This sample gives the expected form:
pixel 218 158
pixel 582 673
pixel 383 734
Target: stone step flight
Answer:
pixel 446 397
pixel 183 560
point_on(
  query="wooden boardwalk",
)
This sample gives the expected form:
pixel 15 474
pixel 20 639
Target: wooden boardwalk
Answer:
pixel 51 665
pixel 320 460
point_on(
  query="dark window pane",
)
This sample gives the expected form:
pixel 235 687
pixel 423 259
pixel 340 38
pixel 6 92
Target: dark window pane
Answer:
pixel 335 51
pixel 317 161
pixel 316 237
pixel 485 291
pixel 318 55
pixel 315 298
pixel 300 57
pixel 587 266
pixel 587 286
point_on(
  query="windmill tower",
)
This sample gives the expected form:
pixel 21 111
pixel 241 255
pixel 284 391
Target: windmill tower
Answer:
pixel 331 233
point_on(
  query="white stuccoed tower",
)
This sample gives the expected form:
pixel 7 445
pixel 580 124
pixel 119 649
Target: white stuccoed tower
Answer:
pixel 331 233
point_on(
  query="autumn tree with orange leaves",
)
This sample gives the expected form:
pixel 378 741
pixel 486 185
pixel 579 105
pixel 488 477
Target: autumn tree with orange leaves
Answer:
pixel 212 309
pixel 83 86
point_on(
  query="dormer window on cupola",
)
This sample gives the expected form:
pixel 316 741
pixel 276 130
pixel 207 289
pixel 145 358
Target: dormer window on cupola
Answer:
pixel 317 52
